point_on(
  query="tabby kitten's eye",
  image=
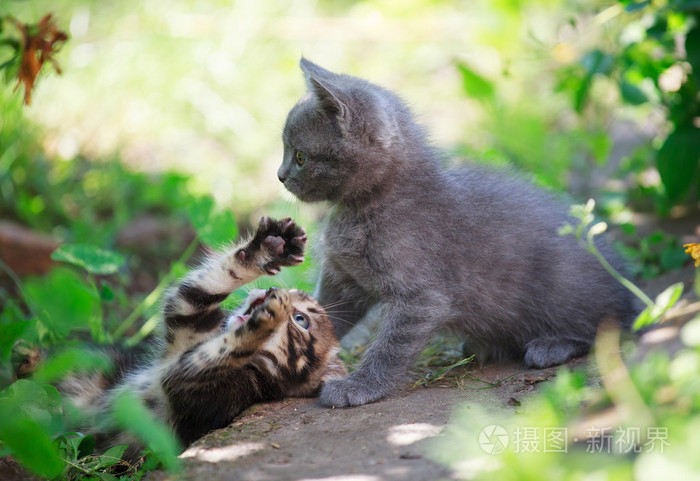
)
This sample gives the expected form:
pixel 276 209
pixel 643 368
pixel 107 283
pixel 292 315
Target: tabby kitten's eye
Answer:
pixel 301 319
pixel 301 157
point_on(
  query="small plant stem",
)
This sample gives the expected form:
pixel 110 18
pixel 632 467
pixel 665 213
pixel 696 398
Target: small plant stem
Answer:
pixel 19 285
pixel 77 467
pixel 492 384
pixel 442 372
pixel 153 297
pixel 621 279
pixel 98 334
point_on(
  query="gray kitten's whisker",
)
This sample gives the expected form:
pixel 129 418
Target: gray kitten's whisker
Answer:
pixel 335 304
pixel 339 319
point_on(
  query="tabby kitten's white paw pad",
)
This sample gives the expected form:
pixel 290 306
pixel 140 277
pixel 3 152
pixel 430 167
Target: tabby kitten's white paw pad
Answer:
pixel 276 243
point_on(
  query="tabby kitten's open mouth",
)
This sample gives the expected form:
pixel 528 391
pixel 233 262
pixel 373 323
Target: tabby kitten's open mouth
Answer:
pixel 255 299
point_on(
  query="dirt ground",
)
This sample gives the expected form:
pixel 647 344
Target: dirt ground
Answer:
pixel 297 440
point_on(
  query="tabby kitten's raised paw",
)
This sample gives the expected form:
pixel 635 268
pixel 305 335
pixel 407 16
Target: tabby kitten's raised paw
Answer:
pixel 276 243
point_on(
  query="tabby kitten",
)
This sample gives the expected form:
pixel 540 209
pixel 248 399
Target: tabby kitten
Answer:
pixel 469 249
pixel 214 363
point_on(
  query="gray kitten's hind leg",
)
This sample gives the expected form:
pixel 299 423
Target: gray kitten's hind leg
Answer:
pixel 551 351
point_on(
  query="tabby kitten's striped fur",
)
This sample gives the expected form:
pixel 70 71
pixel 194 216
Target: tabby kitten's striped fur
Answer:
pixel 214 364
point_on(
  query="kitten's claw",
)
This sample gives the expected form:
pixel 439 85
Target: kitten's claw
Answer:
pixel 272 270
pixel 264 223
pixel 286 224
pixel 295 259
pixel 299 241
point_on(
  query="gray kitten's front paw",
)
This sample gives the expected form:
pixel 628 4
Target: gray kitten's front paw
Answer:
pixel 349 392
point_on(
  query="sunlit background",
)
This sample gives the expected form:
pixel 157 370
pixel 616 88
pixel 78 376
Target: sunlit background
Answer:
pixel 203 88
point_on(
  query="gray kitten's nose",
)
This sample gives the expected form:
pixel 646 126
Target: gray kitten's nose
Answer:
pixel 282 174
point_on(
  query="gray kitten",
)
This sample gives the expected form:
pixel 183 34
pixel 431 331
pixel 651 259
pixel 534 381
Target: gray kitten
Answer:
pixel 473 250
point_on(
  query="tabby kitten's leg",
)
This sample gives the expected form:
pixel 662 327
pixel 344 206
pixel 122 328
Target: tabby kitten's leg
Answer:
pixel 192 310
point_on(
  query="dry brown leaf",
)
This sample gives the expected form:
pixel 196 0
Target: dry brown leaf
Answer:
pixel 40 43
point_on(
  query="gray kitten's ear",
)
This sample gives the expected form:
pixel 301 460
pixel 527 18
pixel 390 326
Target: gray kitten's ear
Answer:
pixel 311 69
pixel 321 83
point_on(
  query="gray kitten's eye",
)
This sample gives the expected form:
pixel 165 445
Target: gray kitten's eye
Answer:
pixel 301 157
pixel 301 319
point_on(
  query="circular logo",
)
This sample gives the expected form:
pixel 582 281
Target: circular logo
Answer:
pixel 493 439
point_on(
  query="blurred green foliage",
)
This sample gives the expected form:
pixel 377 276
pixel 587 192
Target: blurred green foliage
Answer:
pixel 593 424
pixel 654 60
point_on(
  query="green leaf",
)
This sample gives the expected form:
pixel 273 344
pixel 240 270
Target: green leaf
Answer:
pixel 632 94
pixel 30 444
pixel 29 415
pixel 9 334
pixel 677 161
pixel 628 228
pixel 132 414
pixel 62 301
pixel 594 62
pixel 73 446
pixel 634 6
pixel 673 257
pixel 475 85
pixel 644 319
pixel 663 302
pixel 106 293
pixel 72 360
pixel 40 402
pixel 692 50
pixel 213 227
pixel 112 456
pixel 669 296
pixel 86 446
pixel 600 145
pixel 91 258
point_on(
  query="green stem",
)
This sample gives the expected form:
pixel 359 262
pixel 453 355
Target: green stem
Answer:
pixel 492 385
pixel 96 330
pixel 621 279
pixel 153 297
pixel 79 468
pixel 19 285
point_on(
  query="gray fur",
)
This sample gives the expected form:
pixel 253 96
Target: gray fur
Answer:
pixel 471 249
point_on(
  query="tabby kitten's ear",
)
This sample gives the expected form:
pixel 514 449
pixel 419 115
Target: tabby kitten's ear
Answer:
pixel 322 85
